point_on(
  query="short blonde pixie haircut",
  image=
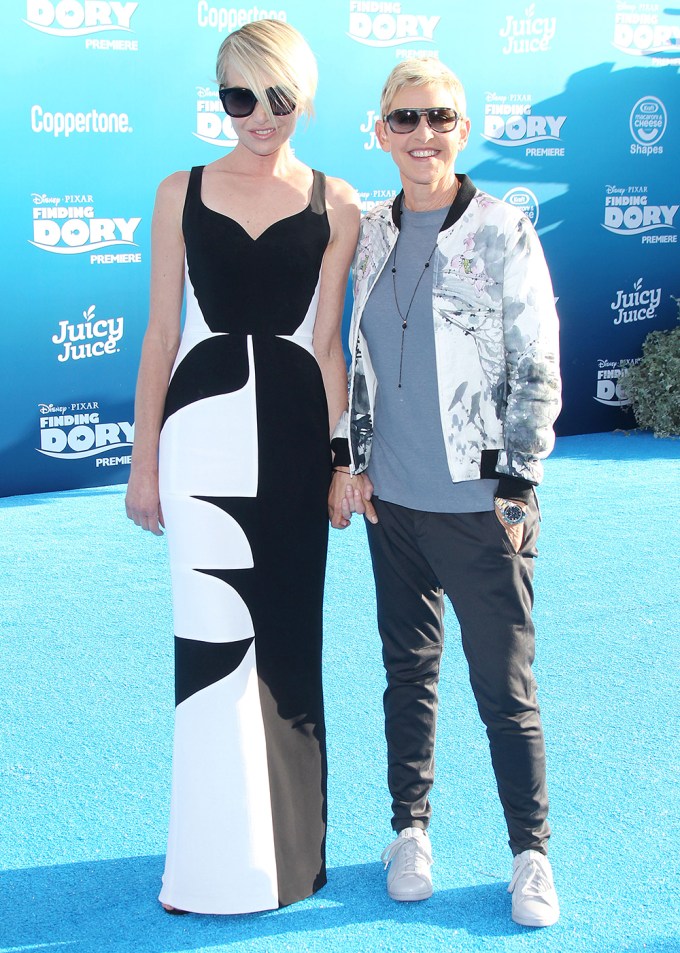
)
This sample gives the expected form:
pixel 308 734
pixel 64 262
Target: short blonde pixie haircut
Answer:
pixel 427 71
pixel 271 53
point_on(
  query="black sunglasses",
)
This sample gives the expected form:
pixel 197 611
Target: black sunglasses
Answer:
pixel 239 102
pixel 439 119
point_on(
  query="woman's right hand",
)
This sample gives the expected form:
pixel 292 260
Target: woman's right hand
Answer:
pixel 142 502
pixel 347 495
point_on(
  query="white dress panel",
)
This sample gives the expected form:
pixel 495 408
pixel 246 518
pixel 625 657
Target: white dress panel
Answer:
pixel 220 758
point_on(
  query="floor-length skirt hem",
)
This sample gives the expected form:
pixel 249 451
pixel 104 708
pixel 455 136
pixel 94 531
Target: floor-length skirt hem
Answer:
pixel 219 908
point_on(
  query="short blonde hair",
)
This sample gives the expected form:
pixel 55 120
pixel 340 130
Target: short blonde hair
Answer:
pixel 427 71
pixel 271 52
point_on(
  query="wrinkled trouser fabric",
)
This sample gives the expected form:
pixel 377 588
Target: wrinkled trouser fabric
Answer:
pixel 417 557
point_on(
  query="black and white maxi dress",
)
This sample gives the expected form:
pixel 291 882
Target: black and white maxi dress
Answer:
pixel 244 474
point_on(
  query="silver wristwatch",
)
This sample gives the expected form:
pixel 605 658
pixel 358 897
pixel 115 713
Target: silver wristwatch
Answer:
pixel 512 512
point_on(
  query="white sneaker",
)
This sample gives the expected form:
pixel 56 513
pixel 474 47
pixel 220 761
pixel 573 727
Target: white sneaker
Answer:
pixel 409 858
pixel 534 898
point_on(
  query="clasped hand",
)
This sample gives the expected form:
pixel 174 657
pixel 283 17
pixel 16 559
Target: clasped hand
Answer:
pixel 348 495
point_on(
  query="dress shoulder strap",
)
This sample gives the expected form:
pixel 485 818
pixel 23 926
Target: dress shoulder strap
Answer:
pixel 193 196
pixel 318 200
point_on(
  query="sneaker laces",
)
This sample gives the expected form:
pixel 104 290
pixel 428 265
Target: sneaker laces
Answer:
pixel 535 880
pixel 413 856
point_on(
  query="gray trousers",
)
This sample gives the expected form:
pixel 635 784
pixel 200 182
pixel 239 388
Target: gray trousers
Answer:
pixel 417 557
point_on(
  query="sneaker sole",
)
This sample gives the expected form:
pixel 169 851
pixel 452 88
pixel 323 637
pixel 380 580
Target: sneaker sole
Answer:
pixel 423 894
pixel 528 922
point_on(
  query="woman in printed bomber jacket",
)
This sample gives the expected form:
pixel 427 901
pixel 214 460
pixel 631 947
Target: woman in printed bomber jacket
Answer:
pixel 454 388
pixel 495 334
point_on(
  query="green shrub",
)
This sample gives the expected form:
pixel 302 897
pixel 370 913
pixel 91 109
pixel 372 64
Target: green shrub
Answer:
pixel 653 385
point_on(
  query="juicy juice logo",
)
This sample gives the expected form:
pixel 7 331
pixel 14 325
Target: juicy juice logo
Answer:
pixel 527 34
pixel 368 129
pixel 91 337
pixel 640 304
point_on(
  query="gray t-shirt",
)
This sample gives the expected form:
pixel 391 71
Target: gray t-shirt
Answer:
pixel 408 459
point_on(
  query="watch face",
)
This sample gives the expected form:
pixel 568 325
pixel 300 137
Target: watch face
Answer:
pixel 513 513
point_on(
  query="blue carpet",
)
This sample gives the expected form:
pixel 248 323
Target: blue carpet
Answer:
pixel 86 707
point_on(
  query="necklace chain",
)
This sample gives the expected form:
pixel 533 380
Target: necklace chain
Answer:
pixel 404 317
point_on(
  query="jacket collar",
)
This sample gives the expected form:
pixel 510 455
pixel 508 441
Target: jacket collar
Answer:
pixel 463 198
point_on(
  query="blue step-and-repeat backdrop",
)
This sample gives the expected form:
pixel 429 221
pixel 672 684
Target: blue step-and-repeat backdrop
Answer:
pixel 575 117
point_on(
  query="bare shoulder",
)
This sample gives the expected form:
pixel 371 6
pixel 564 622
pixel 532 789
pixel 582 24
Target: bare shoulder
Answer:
pixel 173 186
pixel 172 190
pixel 169 206
pixel 340 193
pixel 342 203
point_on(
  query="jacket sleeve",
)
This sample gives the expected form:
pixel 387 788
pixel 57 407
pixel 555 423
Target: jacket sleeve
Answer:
pixel 356 423
pixel 342 428
pixel 531 337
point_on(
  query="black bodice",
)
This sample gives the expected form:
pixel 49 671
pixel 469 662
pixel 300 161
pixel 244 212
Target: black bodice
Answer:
pixel 254 286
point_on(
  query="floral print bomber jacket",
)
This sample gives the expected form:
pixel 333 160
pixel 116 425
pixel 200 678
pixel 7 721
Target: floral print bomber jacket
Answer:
pixel 496 338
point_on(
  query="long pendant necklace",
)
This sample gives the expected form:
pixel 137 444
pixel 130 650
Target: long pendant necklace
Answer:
pixel 404 317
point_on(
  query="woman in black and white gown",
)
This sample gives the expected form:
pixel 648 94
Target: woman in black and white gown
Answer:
pixel 232 454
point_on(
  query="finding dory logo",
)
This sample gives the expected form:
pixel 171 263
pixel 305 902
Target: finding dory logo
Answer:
pixel 378 23
pixel 643 30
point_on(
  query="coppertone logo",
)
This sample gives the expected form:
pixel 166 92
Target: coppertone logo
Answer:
pixel 628 211
pixel 383 24
pixel 67 225
pixel 212 123
pixel 80 431
pixel 647 30
pixel 83 18
pixel 66 124
pixel 509 122
pixel 528 33
pixel 639 304
pixel 648 121
pixel 227 19
pixel 611 389
pixel 91 337
pixel 522 198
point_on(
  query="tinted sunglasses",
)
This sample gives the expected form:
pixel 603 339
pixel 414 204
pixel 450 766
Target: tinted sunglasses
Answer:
pixel 439 119
pixel 239 102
